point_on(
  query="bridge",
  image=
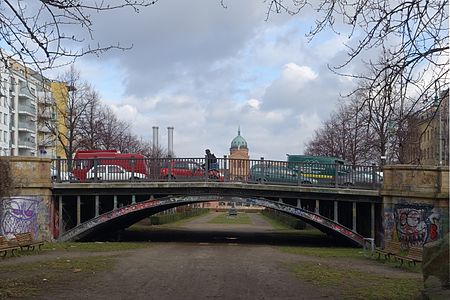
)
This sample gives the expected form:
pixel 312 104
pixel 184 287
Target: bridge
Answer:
pixel 340 204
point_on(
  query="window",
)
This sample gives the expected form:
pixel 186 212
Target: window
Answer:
pixel 193 166
pixel 101 169
pixel 180 165
pixel 1 135
pixel 115 169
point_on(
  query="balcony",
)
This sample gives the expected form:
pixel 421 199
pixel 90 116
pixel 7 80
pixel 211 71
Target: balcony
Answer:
pixel 46 115
pixel 44 129
pixel 25 92
pixel 45 98
pixel 27 144
pixel 26 109
pixel 26 126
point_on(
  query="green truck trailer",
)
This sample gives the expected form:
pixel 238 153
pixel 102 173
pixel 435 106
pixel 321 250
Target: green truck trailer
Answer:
pixel 320 167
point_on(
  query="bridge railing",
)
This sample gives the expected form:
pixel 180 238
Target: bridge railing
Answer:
pixel 220 170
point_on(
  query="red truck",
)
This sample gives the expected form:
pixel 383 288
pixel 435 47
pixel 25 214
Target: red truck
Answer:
pixel 84 160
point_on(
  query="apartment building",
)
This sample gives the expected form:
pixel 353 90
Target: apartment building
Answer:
pixel 27 112
pixel 428 136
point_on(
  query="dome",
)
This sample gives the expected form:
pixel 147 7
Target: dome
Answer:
pixel 239 142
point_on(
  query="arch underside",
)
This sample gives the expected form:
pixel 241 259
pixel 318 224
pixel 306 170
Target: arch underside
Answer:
pixel 123 217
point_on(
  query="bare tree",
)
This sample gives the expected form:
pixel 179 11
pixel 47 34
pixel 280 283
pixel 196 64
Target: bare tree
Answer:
pixel 38 33
pixel 90 122
pixel 130 143
pixel 112 131
pixel 415 34
pixel 344 135
pixel 73 100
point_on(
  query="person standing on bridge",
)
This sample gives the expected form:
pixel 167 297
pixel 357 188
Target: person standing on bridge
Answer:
pixel 211 160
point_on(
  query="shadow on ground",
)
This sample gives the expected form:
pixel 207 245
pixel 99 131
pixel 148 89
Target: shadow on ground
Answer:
pixel 279 238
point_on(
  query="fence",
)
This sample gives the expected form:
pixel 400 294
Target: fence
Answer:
pixel 221 170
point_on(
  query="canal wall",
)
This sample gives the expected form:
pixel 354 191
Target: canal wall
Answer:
pixel 26 206
pixel 416 214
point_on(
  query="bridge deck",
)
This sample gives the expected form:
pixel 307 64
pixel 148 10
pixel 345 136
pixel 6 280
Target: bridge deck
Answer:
pixel 217 188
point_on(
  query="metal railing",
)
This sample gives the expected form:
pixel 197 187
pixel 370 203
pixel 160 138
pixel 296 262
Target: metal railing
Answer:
pixel 219 170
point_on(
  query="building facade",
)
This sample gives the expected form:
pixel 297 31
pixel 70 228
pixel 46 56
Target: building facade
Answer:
pixel 239 158
pixel 27 112
pixel 428 134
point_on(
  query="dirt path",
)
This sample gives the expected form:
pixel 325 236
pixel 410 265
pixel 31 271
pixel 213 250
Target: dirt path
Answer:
pixel 209 268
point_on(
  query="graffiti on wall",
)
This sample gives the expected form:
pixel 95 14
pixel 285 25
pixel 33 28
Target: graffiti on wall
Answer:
pixel 415 224
pixel 19 214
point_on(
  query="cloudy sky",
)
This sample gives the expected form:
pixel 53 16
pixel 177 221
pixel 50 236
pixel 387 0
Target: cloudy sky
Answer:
pixel 205 70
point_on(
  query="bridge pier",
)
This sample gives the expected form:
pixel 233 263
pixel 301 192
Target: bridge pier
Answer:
pixel 354 216
pixel 78 210
pixel 60 215
pixel 335 214
pixel 317 207
pixel 372 220
pixel 97 205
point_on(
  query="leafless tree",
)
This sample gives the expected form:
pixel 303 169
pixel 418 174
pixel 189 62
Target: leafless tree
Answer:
pixel 415 34
pixel 133 144
pixel 74 98
pixel 344 135
pixel 39 33
pixel 90 122
pixel 112 131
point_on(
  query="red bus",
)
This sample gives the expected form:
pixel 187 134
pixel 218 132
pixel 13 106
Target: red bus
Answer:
pixel 84 160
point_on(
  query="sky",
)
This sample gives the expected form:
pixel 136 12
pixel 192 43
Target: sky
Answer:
pixel 207 70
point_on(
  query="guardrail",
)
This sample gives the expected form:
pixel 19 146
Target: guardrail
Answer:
pixel 220 170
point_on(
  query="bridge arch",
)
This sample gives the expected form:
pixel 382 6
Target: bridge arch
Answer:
pixel 127 215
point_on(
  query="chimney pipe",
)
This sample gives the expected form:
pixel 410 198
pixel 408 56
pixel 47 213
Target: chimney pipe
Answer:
pixel 155 138
pixel 170 141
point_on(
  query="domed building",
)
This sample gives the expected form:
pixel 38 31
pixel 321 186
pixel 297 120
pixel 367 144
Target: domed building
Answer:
pixel 239 158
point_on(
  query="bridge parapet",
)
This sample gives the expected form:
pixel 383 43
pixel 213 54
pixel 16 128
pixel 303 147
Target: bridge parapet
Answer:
pixel 426 181
pixel 416 213
pixel 27 206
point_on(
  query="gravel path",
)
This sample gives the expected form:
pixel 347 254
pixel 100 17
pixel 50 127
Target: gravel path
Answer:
pixel 223 264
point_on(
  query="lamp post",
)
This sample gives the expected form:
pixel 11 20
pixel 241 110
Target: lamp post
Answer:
pixel 439 110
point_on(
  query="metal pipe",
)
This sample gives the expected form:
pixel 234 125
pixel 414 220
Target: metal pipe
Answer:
pixel 170 141
pixel 155 138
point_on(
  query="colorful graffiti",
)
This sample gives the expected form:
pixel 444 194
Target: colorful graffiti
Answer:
pixel 75 232
pixel 415 224
pixel 310 216
pixel 18 215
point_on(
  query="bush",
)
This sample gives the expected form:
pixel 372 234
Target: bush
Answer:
pixel 284 218
pixel 160 219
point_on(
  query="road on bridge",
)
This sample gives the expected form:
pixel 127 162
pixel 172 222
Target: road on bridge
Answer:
pixel 200 260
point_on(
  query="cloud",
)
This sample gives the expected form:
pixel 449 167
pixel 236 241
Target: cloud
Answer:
pixel 206 70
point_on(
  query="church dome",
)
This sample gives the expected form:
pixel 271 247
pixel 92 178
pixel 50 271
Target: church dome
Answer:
pixel 239 142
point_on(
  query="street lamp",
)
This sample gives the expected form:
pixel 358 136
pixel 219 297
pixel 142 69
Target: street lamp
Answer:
pixel 437 105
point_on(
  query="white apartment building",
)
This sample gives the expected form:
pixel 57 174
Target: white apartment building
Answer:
pixel 24 105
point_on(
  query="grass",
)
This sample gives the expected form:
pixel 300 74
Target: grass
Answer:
pixel 342 252
pixel 355 284
pixel 148 226
pixel 326 251
pixel 275 224
pixel 25 280
pixel 240 218
pixel 93 246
